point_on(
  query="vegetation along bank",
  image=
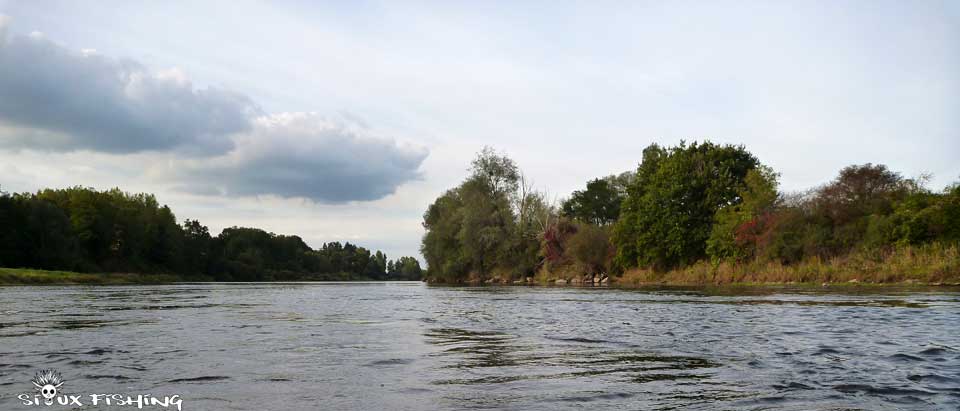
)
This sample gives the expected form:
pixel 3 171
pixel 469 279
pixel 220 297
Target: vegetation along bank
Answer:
pixel 81 235
pixel 698 213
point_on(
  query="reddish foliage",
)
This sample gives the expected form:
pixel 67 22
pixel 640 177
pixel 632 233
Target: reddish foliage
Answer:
pixel 757 232
pixel 554 239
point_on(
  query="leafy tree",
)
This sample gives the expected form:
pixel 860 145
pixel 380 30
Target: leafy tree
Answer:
pixel 590 247
pixel 599 204
pixel 739 227
pixel 669 210
pixel 196 247
pixel 408 268
pixel 83 229
pixel 861 190
pixel 487 224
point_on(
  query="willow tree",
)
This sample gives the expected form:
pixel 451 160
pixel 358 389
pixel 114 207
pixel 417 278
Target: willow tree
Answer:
pixel 487 224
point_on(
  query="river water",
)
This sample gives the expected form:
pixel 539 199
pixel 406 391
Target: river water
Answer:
pixel 409 346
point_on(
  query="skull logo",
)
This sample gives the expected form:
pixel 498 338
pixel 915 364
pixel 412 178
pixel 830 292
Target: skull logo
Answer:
pixel 47 382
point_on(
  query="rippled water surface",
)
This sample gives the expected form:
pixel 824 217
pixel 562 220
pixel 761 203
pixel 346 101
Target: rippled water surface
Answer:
pixel 376 346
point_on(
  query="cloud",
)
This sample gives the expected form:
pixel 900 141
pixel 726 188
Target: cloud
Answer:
pixel 53 99
pixel 305 155
pixel 4 23
pixel 56 99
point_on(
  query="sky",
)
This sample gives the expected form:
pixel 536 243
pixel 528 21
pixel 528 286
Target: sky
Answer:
pixel 343 121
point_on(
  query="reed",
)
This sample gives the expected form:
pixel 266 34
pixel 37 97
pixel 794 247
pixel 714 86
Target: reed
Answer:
pixel 933 263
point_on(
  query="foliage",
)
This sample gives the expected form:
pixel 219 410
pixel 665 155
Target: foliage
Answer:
pixel 669 211
pixel 489 224
pixel 931 263
pixel 740 228
pixel 85 230
pixel 867 207
pixel 573 248
pixel 599 204
pixel 590 248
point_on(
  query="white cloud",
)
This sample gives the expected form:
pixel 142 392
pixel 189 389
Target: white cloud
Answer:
pixel 57 100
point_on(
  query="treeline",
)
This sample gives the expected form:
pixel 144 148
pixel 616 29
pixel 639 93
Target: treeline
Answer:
pixel 85 230
pixel 696 204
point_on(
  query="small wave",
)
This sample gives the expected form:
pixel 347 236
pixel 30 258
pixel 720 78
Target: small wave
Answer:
pixel 20 334
pixel 101 351
pixel 852 388
pixel 931 378
pixel 598 397
pixel 392 361
pixel 792 386
pixel 84 362
pixel 579 340
pixel 110 377
pixel 905 358
pixel 201 379
pixel 825 351
pixel 645 378
pixel 933 351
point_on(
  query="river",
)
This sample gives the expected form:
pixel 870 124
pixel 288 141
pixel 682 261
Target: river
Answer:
pixel 409 346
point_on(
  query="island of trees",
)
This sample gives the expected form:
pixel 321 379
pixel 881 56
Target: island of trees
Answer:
pixel 84 230
pixel 695 213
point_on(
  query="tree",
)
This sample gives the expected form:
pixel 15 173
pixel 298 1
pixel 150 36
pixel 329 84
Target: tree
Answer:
pixel 489 223
pixel 196 247
pixel 409 269
pixel 861 190
pixel 599 204
pixel 497 170
pixel 84 229
pixel 738 228
pixel 669 210
pixel 590 247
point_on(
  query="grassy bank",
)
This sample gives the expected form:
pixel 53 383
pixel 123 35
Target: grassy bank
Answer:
pixel 23 276
pixel 927 264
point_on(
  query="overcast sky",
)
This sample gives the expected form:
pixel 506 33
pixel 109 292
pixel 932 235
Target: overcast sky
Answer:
pixel 343 121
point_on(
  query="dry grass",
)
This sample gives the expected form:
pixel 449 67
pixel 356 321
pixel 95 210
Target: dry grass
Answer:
pixel 23 276
pixel 927 264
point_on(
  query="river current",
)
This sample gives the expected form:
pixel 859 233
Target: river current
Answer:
pixel 409 346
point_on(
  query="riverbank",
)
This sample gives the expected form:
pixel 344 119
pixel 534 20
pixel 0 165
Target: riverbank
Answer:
pixel 931 264
pixel 25 276
pixel 926 265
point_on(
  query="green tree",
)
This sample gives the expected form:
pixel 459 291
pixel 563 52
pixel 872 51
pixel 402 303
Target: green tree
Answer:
pixel 599 204
pixel 488 224
pixel 669 211
pixel 737 226
pixel 409 268
pixel 590 247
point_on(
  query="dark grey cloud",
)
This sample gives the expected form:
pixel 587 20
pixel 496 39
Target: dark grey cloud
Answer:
pixel 308 156
pixel 57 99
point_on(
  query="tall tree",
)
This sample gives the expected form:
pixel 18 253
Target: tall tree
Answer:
pixel 487 224
pixel 669 211
pixel 599 204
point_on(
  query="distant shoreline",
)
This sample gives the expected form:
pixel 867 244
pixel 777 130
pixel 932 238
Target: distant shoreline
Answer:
pixel 627 286
pixel 29 276
pixel 25 276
